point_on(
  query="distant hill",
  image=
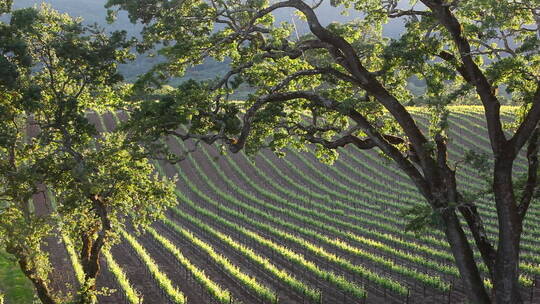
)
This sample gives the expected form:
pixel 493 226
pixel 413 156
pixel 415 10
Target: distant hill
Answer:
pixel 93 11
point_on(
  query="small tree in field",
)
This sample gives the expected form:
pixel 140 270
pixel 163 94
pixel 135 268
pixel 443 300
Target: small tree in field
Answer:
pixel 53 71
pixel 345 84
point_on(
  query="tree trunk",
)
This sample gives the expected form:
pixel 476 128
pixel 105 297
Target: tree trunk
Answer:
pixel 89 260
pixel 464 257
pixel 506 285
pixel 42 289
pixel 91 251
pixel 91 268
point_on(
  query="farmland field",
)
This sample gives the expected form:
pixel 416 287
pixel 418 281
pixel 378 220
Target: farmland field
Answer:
pixel 292 230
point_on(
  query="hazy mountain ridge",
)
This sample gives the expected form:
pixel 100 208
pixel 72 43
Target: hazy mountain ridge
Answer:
pixel 93 11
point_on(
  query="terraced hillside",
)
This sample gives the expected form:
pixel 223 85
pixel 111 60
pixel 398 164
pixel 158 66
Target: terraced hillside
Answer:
pixel 293 230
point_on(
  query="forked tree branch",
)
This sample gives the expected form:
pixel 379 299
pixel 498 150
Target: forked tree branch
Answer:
pixel 362 144
pixel 467 209
pixel 381 141
pixel 474 75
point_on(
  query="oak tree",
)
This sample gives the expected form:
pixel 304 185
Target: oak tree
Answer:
pixel 344 83
pixel 54 71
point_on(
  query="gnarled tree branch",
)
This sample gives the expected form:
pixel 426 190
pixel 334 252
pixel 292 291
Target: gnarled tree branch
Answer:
pixel 475 76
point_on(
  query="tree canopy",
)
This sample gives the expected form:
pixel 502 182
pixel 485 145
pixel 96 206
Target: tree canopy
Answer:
pixel 54 71
pixel 347 84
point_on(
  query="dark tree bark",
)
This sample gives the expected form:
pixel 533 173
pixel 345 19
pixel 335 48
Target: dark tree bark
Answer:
pixel 91 249
pixel 460 246
pixel 463 254
pixel 506 284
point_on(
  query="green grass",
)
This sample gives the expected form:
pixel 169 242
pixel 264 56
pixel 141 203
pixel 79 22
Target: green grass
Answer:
pixel 13 284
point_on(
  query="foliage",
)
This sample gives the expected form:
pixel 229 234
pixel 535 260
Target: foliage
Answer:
pixel 344 84
pixel 54 71
pixel 266 56
pixel 5 6
pixel 126 180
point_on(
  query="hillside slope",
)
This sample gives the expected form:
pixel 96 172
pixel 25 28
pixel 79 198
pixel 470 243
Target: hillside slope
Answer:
pixel 299 227
pixel 297 231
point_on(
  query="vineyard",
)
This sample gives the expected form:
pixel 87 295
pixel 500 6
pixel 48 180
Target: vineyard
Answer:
pixel 293 230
